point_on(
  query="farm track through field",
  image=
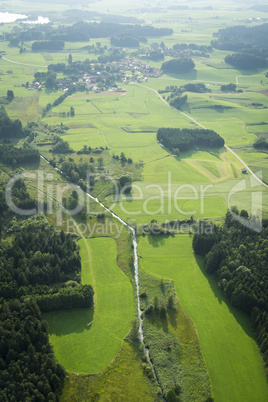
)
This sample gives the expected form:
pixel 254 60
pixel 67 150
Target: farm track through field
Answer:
pixel 23 64
pixel 158 159
pixel 200 125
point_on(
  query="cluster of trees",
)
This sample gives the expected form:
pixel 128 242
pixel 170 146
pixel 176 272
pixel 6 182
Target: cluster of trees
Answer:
pixel 58 67
pixel 238 256
pixel 178 66
pixel 178 102
pixel 61 146
pixel 37 255
pixel 78 172
pixel 44 265
pixel 261 143
pixel 20 197
pixel 123 159
pixel 156 55
pixel 250 40
pixel 29 370
pixel 245 61
pixel 50 45
pixel 228 88
pixel 9 155
pixel 124 41
pixel 159 309
pixel 185 139
pixel 86 150
pixel 10 95
pixel 174 90
pixel 198 88
pixel 125 183
pixel 9 128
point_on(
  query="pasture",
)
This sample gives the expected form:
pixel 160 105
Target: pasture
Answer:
pixel 84 348
pixel 227 341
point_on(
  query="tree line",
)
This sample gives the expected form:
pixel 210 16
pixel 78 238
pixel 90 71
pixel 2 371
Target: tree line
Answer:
pixel 190 87
pixel 48 37
pixel 83 31
pixel 186 139
pixel 238 257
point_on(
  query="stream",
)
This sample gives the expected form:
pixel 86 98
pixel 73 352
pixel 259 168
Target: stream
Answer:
pixel 136 273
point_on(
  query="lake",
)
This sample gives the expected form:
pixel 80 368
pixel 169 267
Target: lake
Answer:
pixel 11 17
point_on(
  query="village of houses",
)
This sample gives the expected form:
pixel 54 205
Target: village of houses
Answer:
pixel 126 71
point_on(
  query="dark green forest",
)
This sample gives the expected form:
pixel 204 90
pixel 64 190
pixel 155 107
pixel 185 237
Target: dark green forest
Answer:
pixel 82 32
pixel 178 66
pixel 238 257
pixel 28 369
pixel 13 156
pixel 186 138
pixel 39 271
pixel 243 39
pixel 48 45
pixel 9 128
pixel 38 255
pixel 21 199
pixel 245 61
pixel 124 41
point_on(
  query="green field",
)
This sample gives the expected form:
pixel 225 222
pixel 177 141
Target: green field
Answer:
pixel 199 183
pixel 90 349
pixel 124 379
pixel 227 342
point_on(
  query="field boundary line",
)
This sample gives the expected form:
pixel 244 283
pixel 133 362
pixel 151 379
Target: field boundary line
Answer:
pixel 200 125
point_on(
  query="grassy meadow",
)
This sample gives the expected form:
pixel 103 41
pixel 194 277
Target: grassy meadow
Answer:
pixel 172 340
pixel 227 341
pixel 84 348
pixel 202 183
pixel 124 379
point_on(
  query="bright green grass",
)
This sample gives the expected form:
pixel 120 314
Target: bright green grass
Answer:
pixel 90 349
pixel 163 209
pixel 227 342
pixel 211 167
pixel 79 137
pixel 124 380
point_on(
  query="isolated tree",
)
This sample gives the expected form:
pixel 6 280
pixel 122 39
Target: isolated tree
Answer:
pixel 10 95
pixel 70 59
pixel 72 111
